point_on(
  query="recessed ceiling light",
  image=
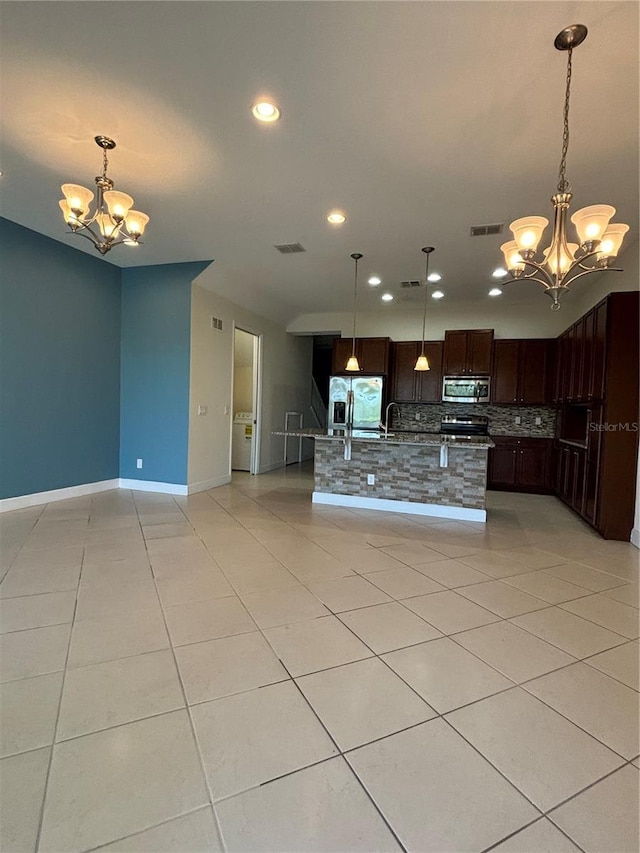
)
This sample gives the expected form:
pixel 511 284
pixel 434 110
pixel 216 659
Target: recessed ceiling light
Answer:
pixel 495 291
pixel 336 217
pixel 386 297
pixel 265 111
pixel 437 294
pixel 374 281
pixel 434 276
pixel 499 272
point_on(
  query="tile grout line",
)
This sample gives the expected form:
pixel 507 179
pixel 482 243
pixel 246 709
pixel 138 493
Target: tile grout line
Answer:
pixel 57 719
pixel 196 744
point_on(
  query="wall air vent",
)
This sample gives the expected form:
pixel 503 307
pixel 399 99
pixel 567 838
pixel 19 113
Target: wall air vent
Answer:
pixel 406 284
pixel 216 323
pixel 290 248
pixel 486 230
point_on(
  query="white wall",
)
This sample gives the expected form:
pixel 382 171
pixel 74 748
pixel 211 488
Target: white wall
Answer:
pixel 509 317
pixel 286 384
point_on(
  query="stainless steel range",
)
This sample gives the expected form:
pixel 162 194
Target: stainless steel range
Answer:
pixel 464 425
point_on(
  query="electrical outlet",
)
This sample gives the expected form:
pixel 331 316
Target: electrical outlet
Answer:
pixel 371 479
pixel 226 410
pixel 538 421
pixel 202 410
pixel 518 420
pixel 417 416
pixel 138 463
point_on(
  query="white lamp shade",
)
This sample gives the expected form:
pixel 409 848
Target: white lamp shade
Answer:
pixel 105 224
pixel 78 198
pixel 422 363
pixel 136 222
pixel 69 215
pixel 527 231
pixel 612 240
pixel 512 258
pixel 551 257
pixel 118 203
pixel 591 222
pixel 352 364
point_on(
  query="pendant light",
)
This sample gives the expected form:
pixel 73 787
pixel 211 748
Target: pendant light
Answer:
pixel 352 365
pixel 423 362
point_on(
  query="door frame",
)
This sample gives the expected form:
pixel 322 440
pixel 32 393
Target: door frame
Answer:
pixel 254 466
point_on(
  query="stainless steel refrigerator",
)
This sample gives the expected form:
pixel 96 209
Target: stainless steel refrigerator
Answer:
pixel 355 402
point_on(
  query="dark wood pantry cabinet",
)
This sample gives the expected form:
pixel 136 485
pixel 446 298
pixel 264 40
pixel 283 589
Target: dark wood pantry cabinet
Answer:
pixel 416 386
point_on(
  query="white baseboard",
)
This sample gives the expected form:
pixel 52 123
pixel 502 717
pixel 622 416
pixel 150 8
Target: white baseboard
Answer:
pixel 37 498
pixel 635 537
pixel 205 485
pixel 153 486
pixel 459 513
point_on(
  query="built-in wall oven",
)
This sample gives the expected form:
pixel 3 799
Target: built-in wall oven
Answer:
pixel 467 389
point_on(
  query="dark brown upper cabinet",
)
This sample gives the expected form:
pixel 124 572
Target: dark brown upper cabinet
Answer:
pixel 468 352
pixel 416 386
pixel 372 354
pixel 522 371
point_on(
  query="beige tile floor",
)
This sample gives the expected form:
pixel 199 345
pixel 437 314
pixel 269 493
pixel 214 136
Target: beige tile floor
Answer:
pixel 239 670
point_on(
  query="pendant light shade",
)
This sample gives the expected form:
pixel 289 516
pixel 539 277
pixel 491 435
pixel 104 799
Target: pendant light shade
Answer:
pixel 352 365
pixel 423 362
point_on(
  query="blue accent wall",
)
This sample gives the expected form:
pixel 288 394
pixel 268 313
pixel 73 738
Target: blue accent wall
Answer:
pixel 59 364
pixel 155 353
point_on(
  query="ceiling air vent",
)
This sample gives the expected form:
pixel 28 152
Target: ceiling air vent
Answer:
pixel 290 248
pixel 486 230
pixel 409 284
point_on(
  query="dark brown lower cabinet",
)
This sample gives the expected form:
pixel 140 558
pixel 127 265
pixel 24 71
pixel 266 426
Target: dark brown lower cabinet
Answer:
pixel 571 483
pixel 520 464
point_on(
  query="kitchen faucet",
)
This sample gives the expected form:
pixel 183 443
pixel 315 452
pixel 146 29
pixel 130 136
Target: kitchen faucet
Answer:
pixel 385 425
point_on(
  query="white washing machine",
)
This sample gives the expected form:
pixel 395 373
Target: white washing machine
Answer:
pixel 241 439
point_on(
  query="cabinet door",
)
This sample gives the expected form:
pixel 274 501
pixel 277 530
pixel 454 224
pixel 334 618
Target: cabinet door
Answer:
pixel 596 391
pixel 341 352
pixel 504 381
pixel 403 382
pixel 479 351
pixel 578 480
pixel 429 383
pixel 534 371
pixel 455 353
pixel 533 465
pixel 502 466
pixel 565 474
pixel 591 476
pixel 577 373
pixel 587 356
pixel 373 355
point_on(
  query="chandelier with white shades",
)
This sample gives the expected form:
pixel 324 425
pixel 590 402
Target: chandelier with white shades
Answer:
pixel 112 222
pixel 598 239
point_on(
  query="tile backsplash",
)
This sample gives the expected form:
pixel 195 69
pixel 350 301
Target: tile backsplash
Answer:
pixel 501 418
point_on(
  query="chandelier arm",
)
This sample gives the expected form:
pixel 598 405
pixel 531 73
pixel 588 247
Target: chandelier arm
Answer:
pixel 537 268
pixel 531 277
pixel 565 283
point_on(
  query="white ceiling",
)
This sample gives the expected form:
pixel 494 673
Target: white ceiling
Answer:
pixel 418 119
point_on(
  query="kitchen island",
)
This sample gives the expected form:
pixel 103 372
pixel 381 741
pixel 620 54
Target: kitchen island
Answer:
pixel 413 473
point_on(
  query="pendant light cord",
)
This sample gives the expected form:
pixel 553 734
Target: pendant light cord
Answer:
pixel 424 316
pixel 563 184
pixel 355 293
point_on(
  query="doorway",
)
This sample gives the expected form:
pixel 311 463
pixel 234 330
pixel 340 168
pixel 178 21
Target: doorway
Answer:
pixel 245 433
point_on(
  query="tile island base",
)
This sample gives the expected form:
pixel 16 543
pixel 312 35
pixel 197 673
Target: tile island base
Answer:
pixel 418 475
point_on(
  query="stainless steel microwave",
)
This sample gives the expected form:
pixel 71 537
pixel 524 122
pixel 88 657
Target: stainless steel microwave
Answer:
pixel 468 389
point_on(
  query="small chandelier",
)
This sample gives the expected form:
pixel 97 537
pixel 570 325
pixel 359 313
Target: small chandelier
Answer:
pixel 422 362
pixel 112 222
pixel 352 365
pixel 599 241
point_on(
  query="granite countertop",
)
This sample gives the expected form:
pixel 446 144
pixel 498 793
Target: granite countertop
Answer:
pixel 432 439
